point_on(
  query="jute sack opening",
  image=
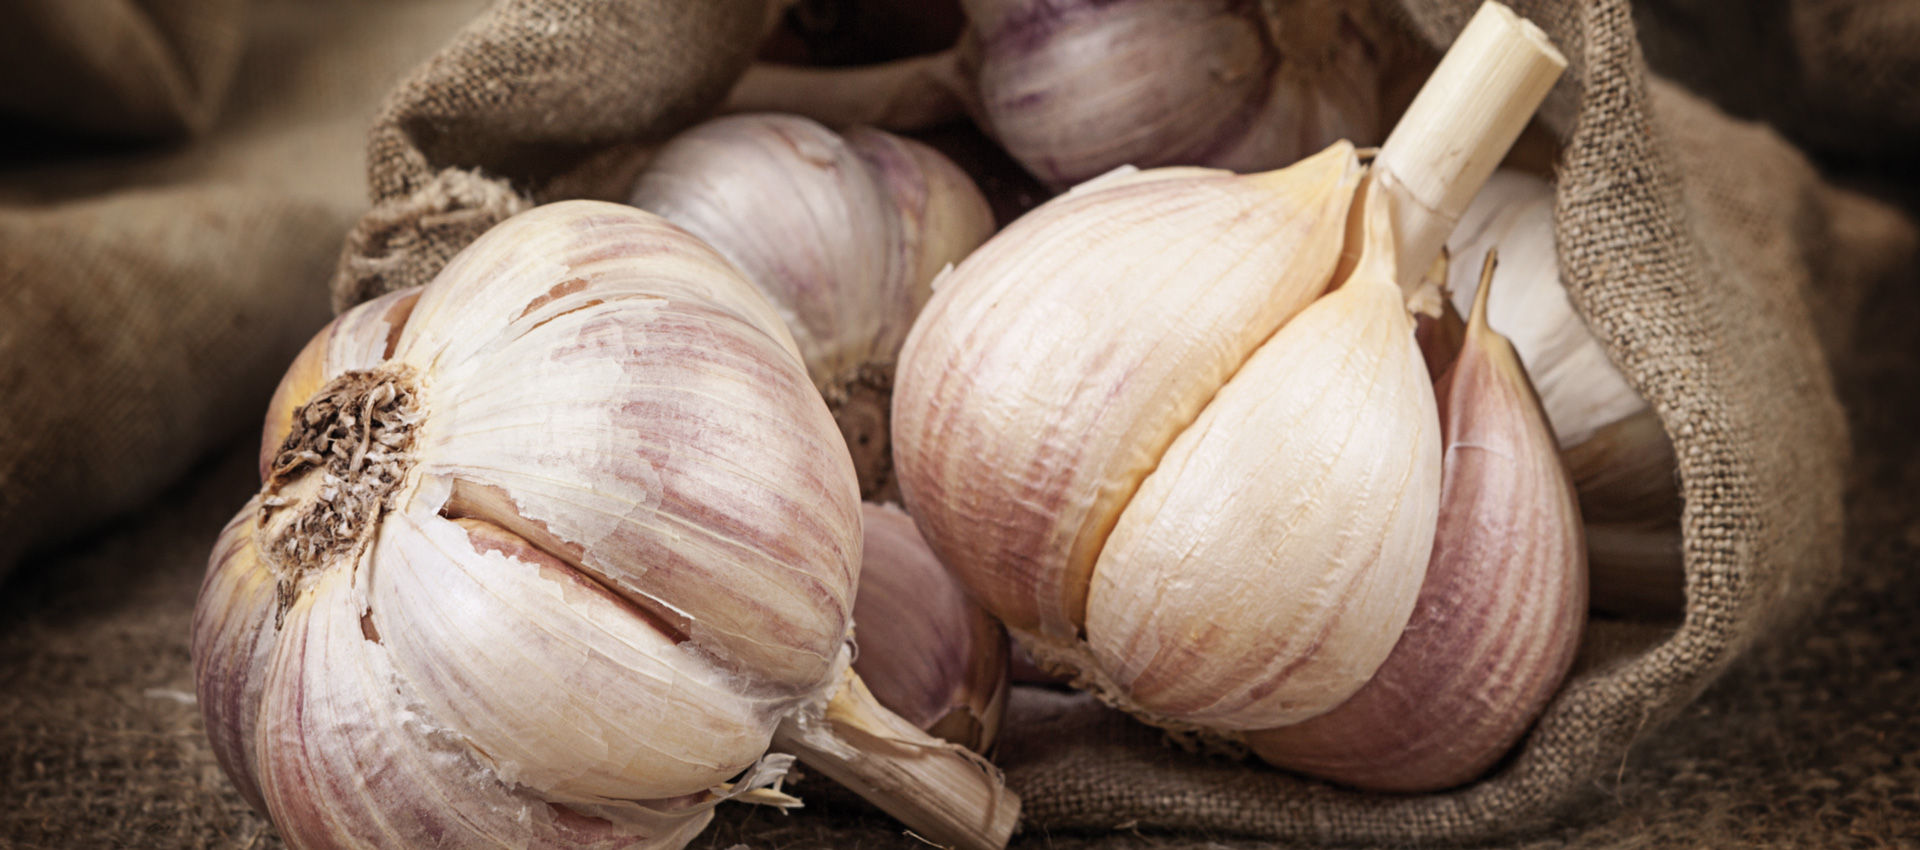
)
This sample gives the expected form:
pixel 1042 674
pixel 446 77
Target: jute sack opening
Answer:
pixel 1699 248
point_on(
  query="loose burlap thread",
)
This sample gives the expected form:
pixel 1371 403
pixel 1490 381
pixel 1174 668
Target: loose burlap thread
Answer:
pixel 1692 243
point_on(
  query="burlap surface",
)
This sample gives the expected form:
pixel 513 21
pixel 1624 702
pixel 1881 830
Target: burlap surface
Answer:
pixel 116 69
pixel 151 297
pixel 1837 76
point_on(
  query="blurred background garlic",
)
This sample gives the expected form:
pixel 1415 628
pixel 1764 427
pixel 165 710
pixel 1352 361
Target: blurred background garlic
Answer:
pixel 844 233
pixel 1148 436
pixel 551 552
pixel 1503 602
pixel 929 653
pixel 1074 88
pixel 1621 458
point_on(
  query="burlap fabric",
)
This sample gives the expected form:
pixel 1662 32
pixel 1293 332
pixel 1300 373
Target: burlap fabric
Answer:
pixel 123 69
pixel 1694 244
pixel 1837 76
pixel 150 297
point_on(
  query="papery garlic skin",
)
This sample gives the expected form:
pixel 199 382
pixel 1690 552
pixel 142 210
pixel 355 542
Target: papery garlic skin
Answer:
pixel 1621 458
pixel 1055 364
pixel 1499 615
pixel 844 233
pixel 930 654
pixel 612 543
pixel 1075 88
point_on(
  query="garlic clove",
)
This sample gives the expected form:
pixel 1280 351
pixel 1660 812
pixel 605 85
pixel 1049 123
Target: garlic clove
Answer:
pixel 1499 616
pixel 1621 458
pixel 1053 366
pixel 1293 520
pixel 925 650
pixel 349 759
pixel 544 670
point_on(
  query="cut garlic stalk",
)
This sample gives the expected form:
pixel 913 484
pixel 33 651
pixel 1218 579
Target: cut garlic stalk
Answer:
pixel 1503 603
pixel 546 552
pixel 928 653
pixel 844 233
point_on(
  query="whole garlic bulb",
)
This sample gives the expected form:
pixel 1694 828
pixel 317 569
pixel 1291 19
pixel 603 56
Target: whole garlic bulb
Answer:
pixel 929 653
pixel 1075 88
pixel 547 553
pixel 1622 460
pixel 1137 455
pixel 843 232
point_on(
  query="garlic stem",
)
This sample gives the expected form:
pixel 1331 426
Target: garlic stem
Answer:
pixel 1460 126
pixel 944 793
pixel 904 95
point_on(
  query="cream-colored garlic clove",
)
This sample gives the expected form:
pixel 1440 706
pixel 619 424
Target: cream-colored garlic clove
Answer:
pixel 546 554
pixel 1500 615
pixel 1264 569
pixel 1056 363
pixel 1621 457
pixel 1075 89
pixel 933 656
pixel 843 232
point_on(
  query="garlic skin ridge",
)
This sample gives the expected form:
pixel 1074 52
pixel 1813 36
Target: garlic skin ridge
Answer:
pixel 557 556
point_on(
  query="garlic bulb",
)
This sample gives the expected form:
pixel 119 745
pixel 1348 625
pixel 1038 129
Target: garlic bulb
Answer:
pixel 1097 482
pixel 1074 88
pixel 1140 433
pixel 1504 599
pixel 933 656
pixel 844 233
pixel 1621 458
pixel 547 553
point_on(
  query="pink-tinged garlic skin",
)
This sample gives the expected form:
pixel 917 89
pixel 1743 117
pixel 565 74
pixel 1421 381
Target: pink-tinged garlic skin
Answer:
pixel 1040 385
pixel 1263 571
pixel 928 653
pixel 1073 88
pixel 844 233
pixel 1500 615
pixel 618 545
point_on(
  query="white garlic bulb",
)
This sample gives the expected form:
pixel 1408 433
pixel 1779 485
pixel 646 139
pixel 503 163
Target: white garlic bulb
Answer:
pixel 1621 458
pixel 844 233
pixel 548 553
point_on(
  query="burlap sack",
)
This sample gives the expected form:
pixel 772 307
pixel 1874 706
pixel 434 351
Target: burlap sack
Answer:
pixel 1837 76
pixel 1695 245
pixel 151 298
pixel 125 69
